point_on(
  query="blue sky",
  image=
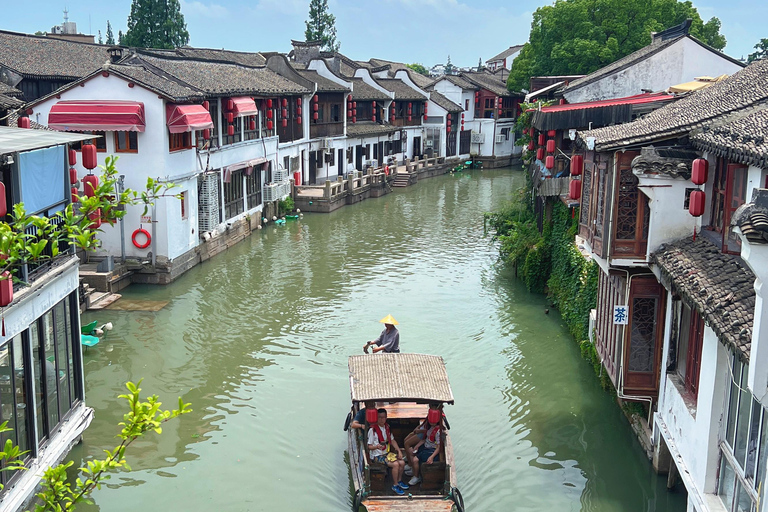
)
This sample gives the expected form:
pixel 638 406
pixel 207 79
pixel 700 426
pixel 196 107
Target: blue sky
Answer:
pixel 425 31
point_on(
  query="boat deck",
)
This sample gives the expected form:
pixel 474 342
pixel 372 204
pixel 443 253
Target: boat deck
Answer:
pixel 404 410
pixel 406 505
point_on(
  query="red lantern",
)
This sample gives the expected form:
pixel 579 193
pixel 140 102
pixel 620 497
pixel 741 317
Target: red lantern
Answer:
pixel 72 157
pixel 23 122
pixel 298 111
pixel 540 154
pixel 230 104
pixel 284 113
pixel 373 118
pixel 315 116
pixel 374 104
pixel 551 133
pixel 542 139
pixel 95 217
pixel 315 107
pixel 448 129
pixel 550 146
pixel 549 162
pixel 230 130
pixel 425 108
pixel 530 145
pixel 696 203
pixel 425 117
pixel 410 105
pixel 315 98
pixel 73 194
pixel 562 101
pixel 449 121
pixel 409 118
pixel 354 120
pixel 285 122
pixel 577 165
pixel 206 105
pixel 230 117
pixel 574 189
pixel 269 103
pixel 354 104
pixel 90 184
pixel 298 120
pixel 433 416
pixel 349 113
pixel 700 171
pixel 269 114
pixel 285 102
pixel 354 112
pixel 72 176
pixel 462 115
pixel 6 289
pixel 499 112
pixel 270 125
pixel 298 102
pixel 371 415
pixel 252 125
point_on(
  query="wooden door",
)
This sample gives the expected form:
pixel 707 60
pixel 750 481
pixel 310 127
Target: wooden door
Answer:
pixel 313 167
pixel 630 211
pixel 341 163
pixel 643 336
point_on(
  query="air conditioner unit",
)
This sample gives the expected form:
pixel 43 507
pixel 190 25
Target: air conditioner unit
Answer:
pixel 428 143
pixel 325 143
pixel 500 138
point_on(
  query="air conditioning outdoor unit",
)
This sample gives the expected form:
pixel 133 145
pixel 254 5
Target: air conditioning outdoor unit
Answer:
pixel 500 138
pixel 325 143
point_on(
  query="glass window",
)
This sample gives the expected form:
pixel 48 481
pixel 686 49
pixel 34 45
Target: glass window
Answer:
pixel 73 345
pixel 733 401
pixel 727 481
pixel 126 142
pixel 20 392
pixel 742 421
pixel 179 141
pixel 38 368
pixel 62 344
pixel 50 372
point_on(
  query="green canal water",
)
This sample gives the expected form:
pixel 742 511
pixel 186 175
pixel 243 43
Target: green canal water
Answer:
pixel 257 340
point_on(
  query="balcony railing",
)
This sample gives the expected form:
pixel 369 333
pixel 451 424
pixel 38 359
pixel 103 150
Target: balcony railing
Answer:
pixel 325 130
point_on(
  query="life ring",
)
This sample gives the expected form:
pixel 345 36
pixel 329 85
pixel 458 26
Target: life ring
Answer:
pixel 348 422
pixel 458 500
pixel 357 501
pixel 386 170
pixel 146 234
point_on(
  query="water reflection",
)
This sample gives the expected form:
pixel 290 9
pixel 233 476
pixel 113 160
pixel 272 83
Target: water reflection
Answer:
pixel 257 339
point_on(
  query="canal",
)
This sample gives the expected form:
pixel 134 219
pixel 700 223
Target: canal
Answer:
pixel 257 340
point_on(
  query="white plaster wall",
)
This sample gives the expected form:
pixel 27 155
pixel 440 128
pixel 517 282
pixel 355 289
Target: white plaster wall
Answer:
pixel 668 219
pixel 680 62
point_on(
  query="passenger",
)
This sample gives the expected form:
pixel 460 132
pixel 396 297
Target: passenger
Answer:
pixel 388 340
pixel 418 433
pixel 359 421
pixel 380 440
pixel 427 450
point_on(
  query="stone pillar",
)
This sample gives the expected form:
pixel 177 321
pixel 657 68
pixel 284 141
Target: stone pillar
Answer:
pixel 327 191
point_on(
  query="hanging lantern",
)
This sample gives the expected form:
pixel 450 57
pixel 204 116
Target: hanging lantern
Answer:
pixel 530 145
pixel 269 114
pixel 73 194
pixel 230 117
pixel 449 121
pixel 577 165
pixel 349 113
pixel 449 128
pixel 89 156
pixel 315 107
pixel 230 105
pixel 425 107
pixel 206 105
pixel 298 102
pixel 315 98
pixel 252 125
pixel 551 133
pixel 354 105
pixel 550 146
pixel 574 189
pixel 230 130
pixel 373 118
pixel 270 125
pixel 298 111
pixel 72 156
pixel 72 176
pixel 374 104
pixel 542 139
pixel 285 102
pixel 95 217
pixel 700 171
pixel 562 101
pixel 269 103
pixel 354 120
pixel 696 203
pixel 499 112
pixel 409 118
pixel 23 122
pixel 549 163
pixel 284 113
pixel 540 154
pixel 90 184
pixel 371 415
pixel 410 105
pixel 425 117
pixel 285 122
pixel 6 289
pixel 354 112
pixel 315 116
pixel 298 120
pixel 462 115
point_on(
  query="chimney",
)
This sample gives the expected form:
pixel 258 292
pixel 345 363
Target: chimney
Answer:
pixel 303 52
pixel 115 54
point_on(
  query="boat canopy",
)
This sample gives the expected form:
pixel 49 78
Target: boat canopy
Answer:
pixel 399 377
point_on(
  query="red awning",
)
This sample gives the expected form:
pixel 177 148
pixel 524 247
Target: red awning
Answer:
pixel 244 106
pixel 638 99
pixel 187 118
pixel 98 115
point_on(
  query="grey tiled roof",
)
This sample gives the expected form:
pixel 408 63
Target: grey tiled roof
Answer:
pixel 323 84
pixel 165 85
pixel 489 82
pixel 401 89
pixel 363 91
pixel 251 59
pixel 7 90
pixel 743 140
pixel 745 89
pixel 713 283
pixel 368 129
pixel 506 53
pixel 9 102
pixel 458 81
pixel 39 56
pixel 444 102
pixel 347 65
pixel 752 218
pixel 218 78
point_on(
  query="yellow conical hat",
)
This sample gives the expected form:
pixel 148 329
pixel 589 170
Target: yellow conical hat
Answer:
pixel 389 319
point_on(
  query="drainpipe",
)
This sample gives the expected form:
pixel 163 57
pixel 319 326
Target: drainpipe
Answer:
pixel 154 234
pixel 119 189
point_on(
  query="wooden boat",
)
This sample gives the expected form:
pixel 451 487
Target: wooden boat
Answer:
pixel 404 385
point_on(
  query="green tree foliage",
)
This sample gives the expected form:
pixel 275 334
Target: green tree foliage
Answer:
pixel 573 37
pixel 101 41
pixel 156 24
pixel 321 26
pixel 110 35
pixel 119 37
pixel 762 51
pixel 449 67
pixel 419 68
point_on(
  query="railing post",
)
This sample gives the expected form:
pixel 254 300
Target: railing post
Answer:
pixel 327 191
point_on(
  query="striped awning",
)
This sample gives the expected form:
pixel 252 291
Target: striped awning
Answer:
pixel 97 115
pixel 244 106
pixel 187 118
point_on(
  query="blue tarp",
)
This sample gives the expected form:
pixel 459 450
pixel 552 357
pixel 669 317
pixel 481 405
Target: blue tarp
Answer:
pixel 42 178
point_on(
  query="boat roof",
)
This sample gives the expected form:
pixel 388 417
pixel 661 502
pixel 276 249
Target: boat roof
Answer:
pixel 399 377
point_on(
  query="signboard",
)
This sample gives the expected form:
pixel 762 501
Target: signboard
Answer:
pixel 620 315
pixel 146 219
pixel 478 138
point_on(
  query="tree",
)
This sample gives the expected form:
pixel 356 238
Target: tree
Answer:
pixel 110 35
pixel 156 24
pixel 449 67
pixel 761 53
pixel 100 40
pixel 119 37
pixel 479 64
pixel 60 495
pixel 419 68
pixel 321 26
pixel 580 36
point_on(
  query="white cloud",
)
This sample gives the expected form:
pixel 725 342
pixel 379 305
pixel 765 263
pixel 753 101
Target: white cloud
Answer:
pixel 201 9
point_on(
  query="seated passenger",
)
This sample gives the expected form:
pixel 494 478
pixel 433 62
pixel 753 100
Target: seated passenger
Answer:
pixel 418 433
pixel 359 420
pixel 379 441
pixel 427 450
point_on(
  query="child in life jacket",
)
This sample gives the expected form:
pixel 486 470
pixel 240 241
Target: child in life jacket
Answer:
pixel 380 442
pixel 427 450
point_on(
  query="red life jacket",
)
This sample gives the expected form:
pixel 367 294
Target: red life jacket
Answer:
pixel 377 429
pixel 432 433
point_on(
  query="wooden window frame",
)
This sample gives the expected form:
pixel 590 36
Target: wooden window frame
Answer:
pixel 179 141
pixel 637 246
pixel 693 357
pixel 129 149
pixel 642 382
pixel 723 195
pixel 183 199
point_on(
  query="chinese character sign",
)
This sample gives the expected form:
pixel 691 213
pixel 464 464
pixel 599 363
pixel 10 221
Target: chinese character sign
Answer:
pixel 620 315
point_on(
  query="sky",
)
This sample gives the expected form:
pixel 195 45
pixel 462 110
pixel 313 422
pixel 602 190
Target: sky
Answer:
pixel 424 31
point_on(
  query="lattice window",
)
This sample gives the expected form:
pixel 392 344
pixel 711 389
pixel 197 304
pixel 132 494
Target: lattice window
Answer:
pixel 627 204
pixel 646 219
pixel 643 335
pixel 600 207
pixel 586 193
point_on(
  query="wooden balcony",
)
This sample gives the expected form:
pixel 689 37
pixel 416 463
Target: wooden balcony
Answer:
pixel 319 130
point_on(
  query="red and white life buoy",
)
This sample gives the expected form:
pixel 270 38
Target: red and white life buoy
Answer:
pixel 146 234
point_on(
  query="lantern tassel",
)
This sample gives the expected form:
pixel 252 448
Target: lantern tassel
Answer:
pixel 694 233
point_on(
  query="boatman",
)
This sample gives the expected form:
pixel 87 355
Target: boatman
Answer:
pixel 388 340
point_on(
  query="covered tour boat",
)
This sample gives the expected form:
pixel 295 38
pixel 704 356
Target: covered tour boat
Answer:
pixel 405 385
